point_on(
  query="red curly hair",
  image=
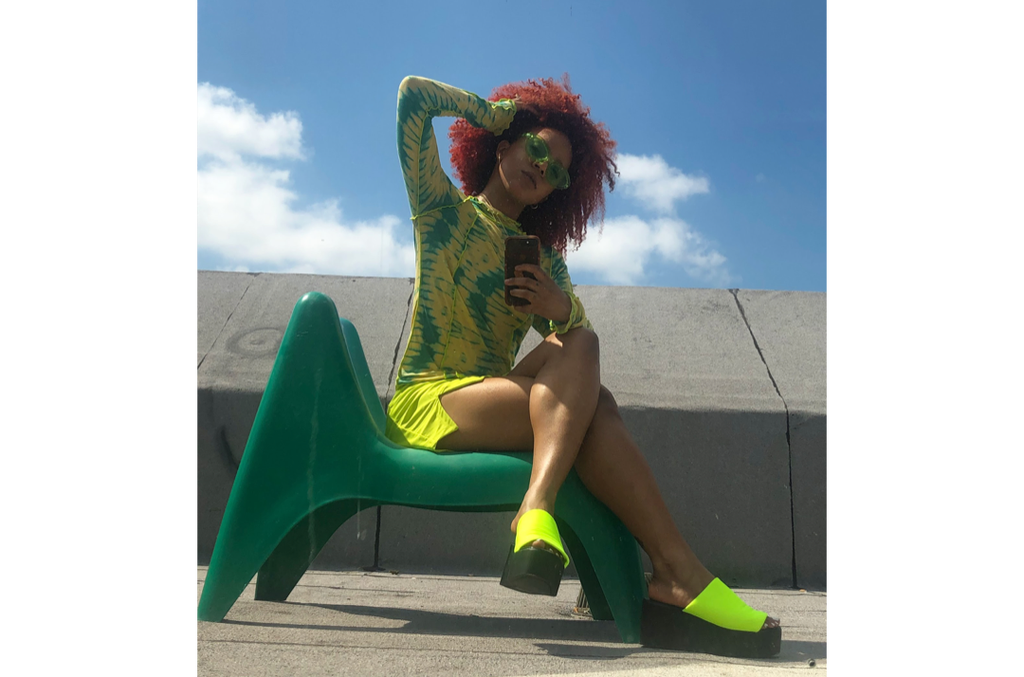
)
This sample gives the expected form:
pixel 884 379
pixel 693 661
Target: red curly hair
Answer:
pixel 563 217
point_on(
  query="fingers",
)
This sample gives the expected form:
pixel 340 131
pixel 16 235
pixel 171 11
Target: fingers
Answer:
pixel 539 280
pixel 527 282
pixel 528 296
pixel 536 291
pixel 525 294
pixel 536 270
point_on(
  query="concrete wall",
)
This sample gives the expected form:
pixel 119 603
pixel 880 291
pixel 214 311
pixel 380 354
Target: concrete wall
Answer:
pixel 723 390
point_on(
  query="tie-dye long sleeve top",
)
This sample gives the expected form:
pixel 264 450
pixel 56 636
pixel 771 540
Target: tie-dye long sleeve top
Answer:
pixel 461 325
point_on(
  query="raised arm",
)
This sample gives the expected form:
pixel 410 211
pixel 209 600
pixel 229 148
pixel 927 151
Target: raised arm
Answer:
pixel 577 317
pixel 419 101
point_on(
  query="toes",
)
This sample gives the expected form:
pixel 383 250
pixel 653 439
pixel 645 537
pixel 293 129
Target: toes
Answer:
pixel 544 546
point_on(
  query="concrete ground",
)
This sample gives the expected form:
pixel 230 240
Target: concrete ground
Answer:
pixel 358 623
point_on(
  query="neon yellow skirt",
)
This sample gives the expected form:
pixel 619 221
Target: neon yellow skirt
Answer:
pixel 416 417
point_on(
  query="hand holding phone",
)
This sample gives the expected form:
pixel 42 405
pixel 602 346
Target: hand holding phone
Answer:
pixel 520 249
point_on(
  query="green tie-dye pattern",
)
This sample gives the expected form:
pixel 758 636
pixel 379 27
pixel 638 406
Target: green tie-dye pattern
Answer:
pixel 461 325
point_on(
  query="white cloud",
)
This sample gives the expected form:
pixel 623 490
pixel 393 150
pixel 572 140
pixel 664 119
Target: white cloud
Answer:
pixel 626 247
pixel 246 215
pixel 247 211
pixel 656 185
pixel 624 251
pixel 230 126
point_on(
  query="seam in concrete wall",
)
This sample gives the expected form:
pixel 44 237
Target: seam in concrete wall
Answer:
pixel 789 445
pixel 398 343
pixel 376 547
pixel 229 456
pixel 251 276
pixel 391 381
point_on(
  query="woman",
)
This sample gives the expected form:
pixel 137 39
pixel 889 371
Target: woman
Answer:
pixel 533 162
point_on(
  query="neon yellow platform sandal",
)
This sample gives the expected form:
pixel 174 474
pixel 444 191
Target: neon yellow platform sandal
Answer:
pixel 716 622
pixel 535 571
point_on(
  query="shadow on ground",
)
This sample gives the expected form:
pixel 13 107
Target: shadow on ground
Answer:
pixel 549 631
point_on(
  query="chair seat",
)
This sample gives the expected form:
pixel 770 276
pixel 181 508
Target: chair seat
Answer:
pixel 316 455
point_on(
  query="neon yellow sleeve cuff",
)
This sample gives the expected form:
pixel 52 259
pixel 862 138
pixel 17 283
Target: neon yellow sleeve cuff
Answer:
pixel 577 317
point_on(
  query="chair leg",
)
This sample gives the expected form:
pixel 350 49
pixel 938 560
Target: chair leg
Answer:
pixel 245 541
pixel 290 559
pixel 612 555
pixel 596 601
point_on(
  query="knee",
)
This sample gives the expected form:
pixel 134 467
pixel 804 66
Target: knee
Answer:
pixel 582 341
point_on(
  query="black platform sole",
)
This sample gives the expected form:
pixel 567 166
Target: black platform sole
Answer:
pixel 663 626
pixel 533 571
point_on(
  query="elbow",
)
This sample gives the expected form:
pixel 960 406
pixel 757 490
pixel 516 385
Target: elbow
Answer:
pixel 410 86
pixel 408 101
pixel 409 82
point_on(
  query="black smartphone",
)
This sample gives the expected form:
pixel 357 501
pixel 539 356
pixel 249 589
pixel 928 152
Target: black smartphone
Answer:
pixel 520 249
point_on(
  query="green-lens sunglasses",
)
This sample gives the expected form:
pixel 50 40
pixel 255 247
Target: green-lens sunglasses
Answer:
pixel 537 149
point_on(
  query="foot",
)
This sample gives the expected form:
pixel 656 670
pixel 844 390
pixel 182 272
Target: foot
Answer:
pixel 680 593
pixel 530 503
pixel 544 546
pixel 523 509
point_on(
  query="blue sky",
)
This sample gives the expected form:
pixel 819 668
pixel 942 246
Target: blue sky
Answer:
pixel 719 110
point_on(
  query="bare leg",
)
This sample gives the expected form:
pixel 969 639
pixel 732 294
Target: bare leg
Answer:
pixel 615 471
pixel 562 378
pixel 501 413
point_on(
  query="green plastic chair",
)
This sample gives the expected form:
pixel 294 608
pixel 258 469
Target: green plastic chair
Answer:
pixel 317 454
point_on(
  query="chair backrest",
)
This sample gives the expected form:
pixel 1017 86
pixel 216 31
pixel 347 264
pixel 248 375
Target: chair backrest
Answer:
pixel 364 380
